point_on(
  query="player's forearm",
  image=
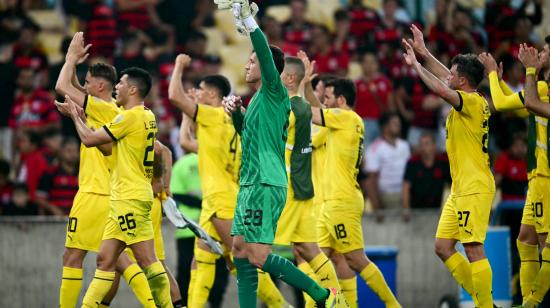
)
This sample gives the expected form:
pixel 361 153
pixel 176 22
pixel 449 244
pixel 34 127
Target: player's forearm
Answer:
pixel 533 103
pixel 75 82
pixel 501 101
pixel 177 95
pixel 309 93
pixel 438 87
pixel 263 53
pixel 64 84
pixel 435 67
pixel 167 162
pixel 84 132
pixel 187 142
pixel 106 149
pixel 238 120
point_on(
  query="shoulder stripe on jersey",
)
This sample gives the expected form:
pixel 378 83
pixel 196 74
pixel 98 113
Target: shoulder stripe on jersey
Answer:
pixel 85 103
pixel 196 113
pixel 322 117
pixel 459 108
pixel 109 132
pixel 521 98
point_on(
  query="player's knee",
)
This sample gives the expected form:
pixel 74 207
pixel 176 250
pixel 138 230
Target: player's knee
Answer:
pixel 474 251
pixel 308 251
pixel 443 250
pixel 73 258
pixel 105 262
pixel 258 258
pixel 528 235
pixel 356 262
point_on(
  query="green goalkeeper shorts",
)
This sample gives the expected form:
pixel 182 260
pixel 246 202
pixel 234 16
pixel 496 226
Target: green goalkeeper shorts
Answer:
pixel 259 207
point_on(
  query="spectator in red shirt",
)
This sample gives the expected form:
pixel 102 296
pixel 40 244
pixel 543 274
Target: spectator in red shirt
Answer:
pixel 511 170
pixel 13 17
pixel 33 108
pixel 101 27
pixel 135 14
pixel 58 186
pixel 374 96
pixel 297 30
pixel 32 163
pixel 274 32
pixel 522 34
pixel 26 54
pixel 6 187
pixel 344 42
pixel 389 31
pixel 363 22
pixel 328 60
pixel 132 52
pixel 500 19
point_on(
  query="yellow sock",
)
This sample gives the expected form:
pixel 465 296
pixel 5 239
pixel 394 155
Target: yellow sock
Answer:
pixel 542 280
pixel 159 284
pixel 71 283
pixel 482 279
pixel 204 277
pixel 101 284
pixel 461 270
pixel 375 280
pixel 306 269
pixel 349 288
pixel 324 270
pixel 268 292
pixel 137 281
pixel 529 267
pixel 192 279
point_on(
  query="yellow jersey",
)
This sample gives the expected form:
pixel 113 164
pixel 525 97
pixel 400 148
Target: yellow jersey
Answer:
pixel 504 99
pixel 319 136
pixel 467 140
pixel 290 141
pixel 344 153
pixel 133 132
pixel 219 151
pixel 93 175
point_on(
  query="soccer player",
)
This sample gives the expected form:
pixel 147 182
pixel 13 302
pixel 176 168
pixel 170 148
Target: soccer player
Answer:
pixel 465 216
pixel 297 224
pixel 133 132
pixel 219 153
pixel 263 181
pixel 534 62
pixel 535 222
pixel 339 227
pixel 91 205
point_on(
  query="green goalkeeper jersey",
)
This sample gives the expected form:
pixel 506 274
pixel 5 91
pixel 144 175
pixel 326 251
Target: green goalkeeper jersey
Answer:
pixel 264 126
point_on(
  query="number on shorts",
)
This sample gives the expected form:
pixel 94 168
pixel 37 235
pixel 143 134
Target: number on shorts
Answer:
pixel 126 222
pixel 537 209
pixel 465 215
pixel 253 217
pixel 150 148
pixel 340 231
pixel 71 226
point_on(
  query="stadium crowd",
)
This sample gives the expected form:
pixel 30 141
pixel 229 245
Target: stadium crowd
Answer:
pixel 361 39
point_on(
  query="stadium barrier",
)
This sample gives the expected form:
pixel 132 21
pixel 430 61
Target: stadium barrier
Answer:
pixel 32 248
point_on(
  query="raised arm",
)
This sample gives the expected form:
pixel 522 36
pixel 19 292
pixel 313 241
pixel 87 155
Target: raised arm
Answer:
pixel 305 84
pixel 530 59
pixel 435 84
pixel 432 64
pixel 65 84
pixel 187 141
pixel 176 93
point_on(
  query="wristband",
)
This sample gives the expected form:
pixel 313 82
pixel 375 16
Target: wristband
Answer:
pixel 250 23
pixel 530 71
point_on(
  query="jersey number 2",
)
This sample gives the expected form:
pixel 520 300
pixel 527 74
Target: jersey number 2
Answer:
pixel 149 148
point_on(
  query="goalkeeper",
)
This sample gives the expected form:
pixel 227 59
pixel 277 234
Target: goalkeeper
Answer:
pixel 263 179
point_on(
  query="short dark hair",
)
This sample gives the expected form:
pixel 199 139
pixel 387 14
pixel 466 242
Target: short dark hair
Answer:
pixel 219 82
pixel 547 39
pixel 343 87
pixel 298 64
pixel 141 79
pixel 428 135
pixel 69 140
pixel 104 71
pixel 4 167
pixel 469 67
pixel 324 78
pixel 278 57
pixel 20 186
pixel 341 14
pixel 385 118
pixel 34 137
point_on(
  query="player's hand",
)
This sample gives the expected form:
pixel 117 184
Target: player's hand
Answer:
pixel 410 57
pixel 231 103
pixel 223 4
pixel 488 62
pixel 77 51
pixel 417 43
pixel 529 56
pixel 309 66
pixel 183 60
